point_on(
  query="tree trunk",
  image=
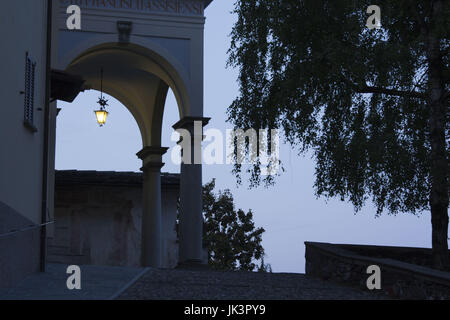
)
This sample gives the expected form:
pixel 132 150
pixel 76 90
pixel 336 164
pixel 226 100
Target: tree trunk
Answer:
pixel 439 167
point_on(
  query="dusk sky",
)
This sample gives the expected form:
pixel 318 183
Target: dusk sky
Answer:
pixel 289 211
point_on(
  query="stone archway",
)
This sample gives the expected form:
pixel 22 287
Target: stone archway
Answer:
pixel 162 49
pixel 135 79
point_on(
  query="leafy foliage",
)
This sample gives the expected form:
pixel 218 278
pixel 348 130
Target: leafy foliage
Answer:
pixel 357 98
pixel 230 236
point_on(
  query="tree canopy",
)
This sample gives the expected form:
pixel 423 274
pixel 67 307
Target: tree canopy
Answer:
pixel 371 105
pixel 229 235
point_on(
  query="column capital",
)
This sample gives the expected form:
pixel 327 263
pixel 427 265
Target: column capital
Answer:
pixel 151 157
pixel 188 122
pixel 151 151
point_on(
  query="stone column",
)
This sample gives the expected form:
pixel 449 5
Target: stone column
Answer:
pixel 151 206
pixel 191 217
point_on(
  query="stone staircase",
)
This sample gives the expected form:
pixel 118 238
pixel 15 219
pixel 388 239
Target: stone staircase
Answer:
pixel 59 250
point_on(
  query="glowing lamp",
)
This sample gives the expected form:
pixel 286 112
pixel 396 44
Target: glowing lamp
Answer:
pixel 101 114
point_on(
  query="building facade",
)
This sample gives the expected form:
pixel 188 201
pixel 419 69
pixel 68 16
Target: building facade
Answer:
pixel 26 137
pixel 145 48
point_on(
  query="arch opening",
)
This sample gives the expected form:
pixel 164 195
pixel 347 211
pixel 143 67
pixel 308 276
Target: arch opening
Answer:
pixel 82 145
pixel 139 78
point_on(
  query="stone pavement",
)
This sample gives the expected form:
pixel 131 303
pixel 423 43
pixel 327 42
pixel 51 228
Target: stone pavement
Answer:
pixel 214 285
pixel 97 283
pixel 104 282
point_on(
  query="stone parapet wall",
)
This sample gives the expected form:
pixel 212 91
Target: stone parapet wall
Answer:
pixel 347 264
pixel 98 219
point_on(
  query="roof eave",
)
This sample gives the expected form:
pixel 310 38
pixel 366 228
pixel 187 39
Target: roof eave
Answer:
pixel 207 2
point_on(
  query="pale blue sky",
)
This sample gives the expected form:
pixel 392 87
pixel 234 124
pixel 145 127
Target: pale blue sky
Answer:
pixel 289 211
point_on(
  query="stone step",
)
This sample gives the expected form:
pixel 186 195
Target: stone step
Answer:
pixel 68 259
pixel 57 250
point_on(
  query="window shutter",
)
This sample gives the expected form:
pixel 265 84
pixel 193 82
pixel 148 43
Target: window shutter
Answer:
pixel 30 72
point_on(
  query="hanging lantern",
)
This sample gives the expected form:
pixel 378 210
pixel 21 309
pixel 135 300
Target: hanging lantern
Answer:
pixel 101 114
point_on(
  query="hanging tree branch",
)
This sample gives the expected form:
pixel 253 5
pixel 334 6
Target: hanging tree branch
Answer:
pixel 392 92
pixel 381 90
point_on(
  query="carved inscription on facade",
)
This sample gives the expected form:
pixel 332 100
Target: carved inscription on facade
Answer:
pixel 184 7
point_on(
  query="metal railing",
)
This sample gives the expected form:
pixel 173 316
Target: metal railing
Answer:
pixel 10 233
